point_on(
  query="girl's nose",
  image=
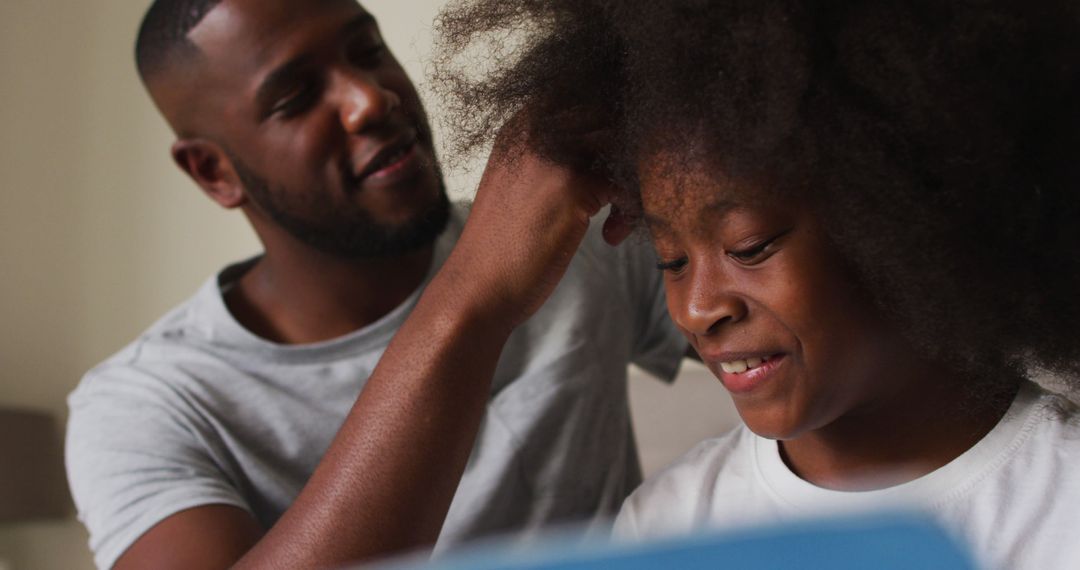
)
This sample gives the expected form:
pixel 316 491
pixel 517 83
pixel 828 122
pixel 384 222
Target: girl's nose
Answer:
pixel 707 303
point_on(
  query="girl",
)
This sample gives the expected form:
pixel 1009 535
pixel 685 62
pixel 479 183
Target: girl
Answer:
pixel 865 213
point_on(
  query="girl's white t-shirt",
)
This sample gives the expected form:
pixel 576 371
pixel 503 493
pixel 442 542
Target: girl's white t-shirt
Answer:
pixel 1013 498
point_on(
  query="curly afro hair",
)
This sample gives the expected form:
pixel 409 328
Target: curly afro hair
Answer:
pixel 939 140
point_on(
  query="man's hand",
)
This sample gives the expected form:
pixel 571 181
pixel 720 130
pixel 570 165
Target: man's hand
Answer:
pixel 529 217
pixel 527 221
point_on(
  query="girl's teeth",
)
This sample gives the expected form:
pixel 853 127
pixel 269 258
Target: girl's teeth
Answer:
pixel 740 366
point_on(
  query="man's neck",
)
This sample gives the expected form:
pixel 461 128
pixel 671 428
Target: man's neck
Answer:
pixel 303 297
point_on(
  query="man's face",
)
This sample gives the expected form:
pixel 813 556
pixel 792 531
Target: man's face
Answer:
pixel 322 125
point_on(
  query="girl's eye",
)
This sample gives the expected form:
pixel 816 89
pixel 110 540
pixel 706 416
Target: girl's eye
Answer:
pixel 674 266
pixel 758 252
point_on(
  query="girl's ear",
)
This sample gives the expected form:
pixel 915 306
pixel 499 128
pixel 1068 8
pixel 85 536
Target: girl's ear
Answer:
pixel 212 169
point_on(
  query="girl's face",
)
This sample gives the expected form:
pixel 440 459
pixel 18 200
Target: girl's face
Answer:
pixel 764 299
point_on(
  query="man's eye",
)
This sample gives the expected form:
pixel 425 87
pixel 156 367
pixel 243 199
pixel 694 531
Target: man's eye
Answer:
pixel 298 101
pixel 674 266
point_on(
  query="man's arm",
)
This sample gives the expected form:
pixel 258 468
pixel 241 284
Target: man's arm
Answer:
pixel 386 483
pixel 182 540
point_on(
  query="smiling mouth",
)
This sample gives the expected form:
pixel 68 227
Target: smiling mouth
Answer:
pixel 387 157
pixel 740 366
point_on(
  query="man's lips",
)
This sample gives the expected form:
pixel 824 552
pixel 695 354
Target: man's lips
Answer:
pixel 386 157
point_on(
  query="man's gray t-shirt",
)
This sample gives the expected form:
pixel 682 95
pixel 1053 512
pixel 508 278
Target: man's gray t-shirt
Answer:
pixel 200 411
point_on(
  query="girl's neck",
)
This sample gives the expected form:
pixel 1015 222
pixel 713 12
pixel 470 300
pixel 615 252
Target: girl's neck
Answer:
pixel 899 438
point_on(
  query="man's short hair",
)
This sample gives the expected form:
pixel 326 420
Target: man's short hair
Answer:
pixel 164 30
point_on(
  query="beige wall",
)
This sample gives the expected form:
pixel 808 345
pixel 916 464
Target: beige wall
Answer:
pixel 99 233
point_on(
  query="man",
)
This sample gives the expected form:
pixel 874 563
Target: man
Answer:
pixel 270 420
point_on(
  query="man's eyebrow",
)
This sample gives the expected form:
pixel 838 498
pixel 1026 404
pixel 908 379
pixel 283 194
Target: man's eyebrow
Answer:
pixel 362 20
pixel 279 79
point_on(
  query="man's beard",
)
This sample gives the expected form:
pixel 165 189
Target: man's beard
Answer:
pixel 346 233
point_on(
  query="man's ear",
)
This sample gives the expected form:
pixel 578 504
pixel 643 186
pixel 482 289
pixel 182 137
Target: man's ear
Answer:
pixel 212 169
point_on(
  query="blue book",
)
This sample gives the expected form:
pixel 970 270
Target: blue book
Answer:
pixel 885 542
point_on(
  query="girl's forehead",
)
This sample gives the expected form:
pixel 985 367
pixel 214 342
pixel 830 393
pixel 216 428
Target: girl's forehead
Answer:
pixel 674 186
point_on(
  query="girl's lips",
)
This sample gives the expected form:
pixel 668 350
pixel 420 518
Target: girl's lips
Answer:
pixel 750 378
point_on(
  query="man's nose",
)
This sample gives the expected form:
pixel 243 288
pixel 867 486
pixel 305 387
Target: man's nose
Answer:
pixel 364 102
pixel 708 305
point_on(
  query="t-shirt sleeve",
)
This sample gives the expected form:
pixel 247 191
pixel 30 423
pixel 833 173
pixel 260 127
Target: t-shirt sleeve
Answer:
pixel 625 527
pixel 134 458
pixel 659 346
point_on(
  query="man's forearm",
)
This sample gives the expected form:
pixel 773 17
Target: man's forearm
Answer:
pixel 390 475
